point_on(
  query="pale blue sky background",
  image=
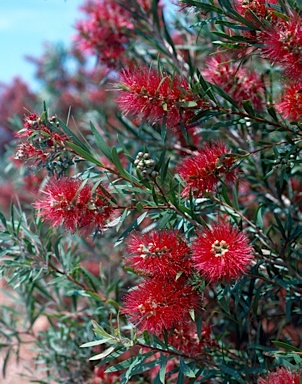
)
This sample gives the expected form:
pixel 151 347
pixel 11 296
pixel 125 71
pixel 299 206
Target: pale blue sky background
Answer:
pixel 25 25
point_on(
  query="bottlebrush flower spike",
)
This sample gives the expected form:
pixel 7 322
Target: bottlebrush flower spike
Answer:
pixel 157 97
pixel 34 124
pixel 27 152
pixel 157 305
pixel 290 103
pixel 31 123
pixel 261 8
pixel 221 253
pixel 158 253
pixel 185 339
pixel 282 44
pixel 281 376
pixel 102 32
pixel 206 168
pixel 42 145
pixel 75 206
pixel 107 29
pixel 240 83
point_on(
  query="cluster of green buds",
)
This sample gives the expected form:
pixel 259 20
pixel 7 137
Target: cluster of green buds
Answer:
pixel 145 165
pixel 285 163
pixel 59 165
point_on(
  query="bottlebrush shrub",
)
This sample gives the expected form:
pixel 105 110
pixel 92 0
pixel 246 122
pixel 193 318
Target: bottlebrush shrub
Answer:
pixel 164 241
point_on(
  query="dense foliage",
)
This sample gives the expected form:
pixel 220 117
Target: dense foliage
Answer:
pixel 155 197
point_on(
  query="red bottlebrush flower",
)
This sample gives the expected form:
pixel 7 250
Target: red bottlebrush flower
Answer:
pixel 290 103
pixel 222 253
pixel 107 29
pixel 103 28
pixel 32 121
pixel 74 205
pixel 156 97
pixel 41 143
pixel 261 8
pixel 240 83
pixel 27 152
pixel 206 168
pixel 281 376
pixel 157 305
pixel 282 44
pixel 158 253
pixel 184 338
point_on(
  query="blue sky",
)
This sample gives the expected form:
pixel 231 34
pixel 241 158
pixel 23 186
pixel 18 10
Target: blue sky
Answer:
pixel 25 25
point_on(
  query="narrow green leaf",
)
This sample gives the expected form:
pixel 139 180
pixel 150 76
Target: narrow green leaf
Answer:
pixel 12 215
pixel 261 348
pixel 225 196
pixel 248 107
pixel 133 226
pixel 155 13
pixel 115 354
pixel 258 217
pixel 100 330
pixel 95 342
pixel 6 359
pixel 207 88
pixel 180 378
pixel 83 153
pixel 124 148
pixel 205 6
pixel 286 346
pixel 185 369
pixel 146 337
pixel 113 303
pixel 168 36
pixel 162 370
pixel 116 161
pixel 3 220
pixel 205 22
pixel 219 91
pixel 103 354
pixel 237 38
pixel 72 136
pixel 280 226
pixel 154 195
pixel 230 371
pixel 163 131
pixel 272 112
pixel 100 142
pixel 164 171
pixel 160 162
pixel 138 368
pixel 125 364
